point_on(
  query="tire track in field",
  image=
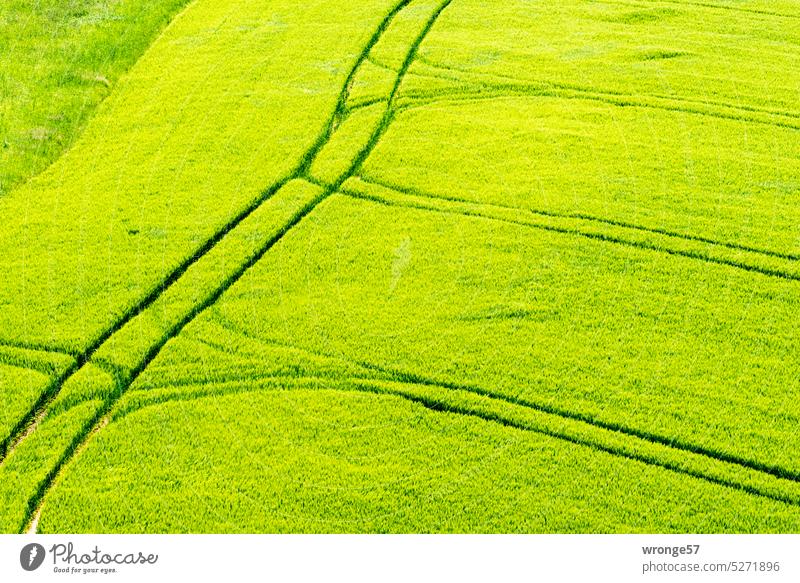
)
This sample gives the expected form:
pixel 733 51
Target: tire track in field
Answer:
pixel 502 90
pixel 585 217
pixel 100 417
pixel 364 104
pixel 497 91
pixel 48 361
pixel 38 410
pixel 390 110
pixel 382 387
pixel 513 86
pixel 44 368
pixel 420 204
pixel 709 5
pixel 37 347
pixel 539 88
pixel 409 377
pixel 476 77
pixel 80 442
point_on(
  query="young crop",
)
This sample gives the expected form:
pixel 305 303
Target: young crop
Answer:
pixel 416 266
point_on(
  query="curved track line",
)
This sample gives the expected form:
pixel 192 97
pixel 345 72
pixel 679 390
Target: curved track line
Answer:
pixel 97 422
pixel 93 425
pixel 37 411
pixel 579 88
pixel 495 76
pixel 535 87
pixel 374 386
pixel 37 347
pixel 612 239
pixel 709 5
pixel 613 222
pixel 409 377
pixel 173 17
pixel 421 101
pixel 522 88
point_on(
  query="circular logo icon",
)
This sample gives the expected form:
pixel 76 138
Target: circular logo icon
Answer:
pixel 31 556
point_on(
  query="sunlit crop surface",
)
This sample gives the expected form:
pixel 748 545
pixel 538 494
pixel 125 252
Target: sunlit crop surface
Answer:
pixel 415 266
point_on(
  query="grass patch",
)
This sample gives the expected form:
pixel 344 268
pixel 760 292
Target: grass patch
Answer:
pixel 60 60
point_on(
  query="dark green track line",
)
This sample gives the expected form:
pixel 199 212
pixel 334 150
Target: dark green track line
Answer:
pixel 534 90
pixel 586 217
pixel 684 3
pixel 526 88
pixel 38 347
pixel 522 87
pixel 124 384
pixel 17 433
pixel 408 377
pixel 30 366
pixel 357 385
pixel 10 441
pixel 362 105
pixel 785 275
pixel 301 170
pixel 81 438
pixel 517 81
pixel 388 116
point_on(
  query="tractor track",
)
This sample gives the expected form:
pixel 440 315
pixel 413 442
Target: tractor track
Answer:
pixel 383 387
pixel 586 217
pixel 37 411
pixel 417 379
pixel 100 417
pixel 124 381
pixel 573 231
pixel 494 86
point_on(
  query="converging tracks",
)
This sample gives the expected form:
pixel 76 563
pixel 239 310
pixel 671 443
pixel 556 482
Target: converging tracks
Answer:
pixel 195 262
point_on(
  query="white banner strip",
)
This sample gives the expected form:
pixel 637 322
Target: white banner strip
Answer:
pixel 370 559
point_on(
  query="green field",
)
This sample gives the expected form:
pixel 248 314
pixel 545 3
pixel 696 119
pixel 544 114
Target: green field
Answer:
pixel 60 59
pixel 401 266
